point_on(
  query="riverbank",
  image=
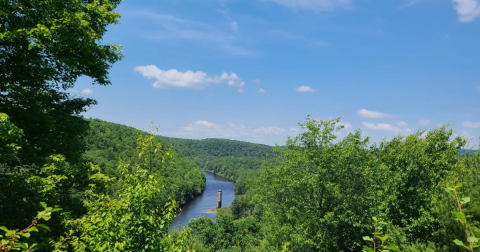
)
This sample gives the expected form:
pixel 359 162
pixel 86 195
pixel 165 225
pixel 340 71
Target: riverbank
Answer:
pixel 206 201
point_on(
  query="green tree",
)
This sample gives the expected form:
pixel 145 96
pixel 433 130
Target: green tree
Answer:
pixel 131 218
pixel 319 197
pixel 11 137
pixel 417 166
pixel 45 46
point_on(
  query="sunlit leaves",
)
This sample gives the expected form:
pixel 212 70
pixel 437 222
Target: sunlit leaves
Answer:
pixel 14 239
pixel 132 220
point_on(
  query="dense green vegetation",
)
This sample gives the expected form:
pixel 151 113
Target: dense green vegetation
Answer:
pixel 322 193
pixel 70 184
pixel 45 46
pixel 206 150
pixel 108 142
pixel 232 167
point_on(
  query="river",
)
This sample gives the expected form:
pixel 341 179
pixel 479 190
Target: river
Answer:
pixel 206 201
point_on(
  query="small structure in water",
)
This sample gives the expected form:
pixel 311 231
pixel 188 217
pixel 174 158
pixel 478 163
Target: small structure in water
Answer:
pixel 219 199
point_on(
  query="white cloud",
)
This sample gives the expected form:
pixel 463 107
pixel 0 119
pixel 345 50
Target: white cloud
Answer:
pixel 261 90
pixel 346 125
pixel 189 79
pixel 295 131
pixel 201 124
pixel 371 114
pixel 467 10
pixel 205 123
pixel 234 25
pixel 303 89
pixel 472 141
pixel 269 130
pixel 402 124
pixel 408 4
pixel 473 125
pixel 465 134
pixel 379 126
pixel 385 127
pixel 172 27
pixel 424 135
pixel 86 91
pixel 240 90
pixel 314 5
pixel 424 122
pixel 256 81
pixel 206 129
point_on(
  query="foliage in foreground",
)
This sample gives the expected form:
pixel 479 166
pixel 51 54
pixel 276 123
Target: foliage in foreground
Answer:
pixel 322 192
pixel 123 214
pixel 45 47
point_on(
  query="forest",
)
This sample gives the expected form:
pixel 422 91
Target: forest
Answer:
pixel 68 183
pixel 206 150
pixel 107 143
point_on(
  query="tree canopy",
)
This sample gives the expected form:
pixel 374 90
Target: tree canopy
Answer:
pixel 45 46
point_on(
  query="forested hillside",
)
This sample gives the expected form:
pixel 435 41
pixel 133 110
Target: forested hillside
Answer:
pixel 231 167
pixel 202 151
pixel 108 142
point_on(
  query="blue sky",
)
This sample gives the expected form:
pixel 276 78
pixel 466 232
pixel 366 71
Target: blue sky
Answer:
pixel 252 69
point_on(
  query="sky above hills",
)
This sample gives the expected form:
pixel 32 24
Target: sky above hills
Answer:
pixel 252 69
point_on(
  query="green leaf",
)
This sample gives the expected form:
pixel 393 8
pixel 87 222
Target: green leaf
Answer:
pixel 32 229
pixel 32 248
pixel 459 215
pixel 460 243
pixel 458 185
pixel 368 249
pixel 44 226
pixel 367 238
pixel 465 200
pixel 472 239
pixel 4 229
pixel 383 238
pixel 394 248
pixel 44 205
pixel 26 234
pixel 22 245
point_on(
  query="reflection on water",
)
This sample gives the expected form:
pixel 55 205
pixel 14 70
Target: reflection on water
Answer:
pixel 206 201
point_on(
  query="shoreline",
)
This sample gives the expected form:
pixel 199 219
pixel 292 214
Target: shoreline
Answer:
pixel 211 211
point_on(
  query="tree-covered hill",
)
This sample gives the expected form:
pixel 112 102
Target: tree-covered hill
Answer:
pixel 232 167
pixel 231 159
pixel 464 151
pixel 202 151
pixel 108 142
